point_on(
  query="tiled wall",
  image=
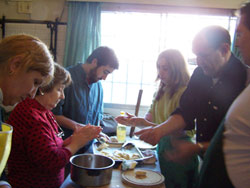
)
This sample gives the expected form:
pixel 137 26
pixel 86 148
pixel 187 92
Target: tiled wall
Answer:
pixel 61 37
pixel 42 32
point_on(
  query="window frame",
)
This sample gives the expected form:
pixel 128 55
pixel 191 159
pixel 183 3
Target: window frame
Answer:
pixel 143 8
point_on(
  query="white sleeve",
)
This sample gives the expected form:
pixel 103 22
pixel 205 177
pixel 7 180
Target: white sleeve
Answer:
pixel 236 142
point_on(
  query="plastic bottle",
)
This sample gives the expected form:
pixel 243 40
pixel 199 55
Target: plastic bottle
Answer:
pixel 121 130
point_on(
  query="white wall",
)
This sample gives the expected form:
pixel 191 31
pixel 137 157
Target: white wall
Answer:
pixel 41 9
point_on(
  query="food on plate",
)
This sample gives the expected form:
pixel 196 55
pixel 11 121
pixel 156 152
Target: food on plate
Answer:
pixel 103 139
pixel 151 155
pixel 135 156
pixel 140 174
pixel 107 155
pixel 120 155
pixel 113 139
pixel 102 146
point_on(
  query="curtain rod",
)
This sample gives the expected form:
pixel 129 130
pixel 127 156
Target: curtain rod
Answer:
pixel 31 21
pixel 166 9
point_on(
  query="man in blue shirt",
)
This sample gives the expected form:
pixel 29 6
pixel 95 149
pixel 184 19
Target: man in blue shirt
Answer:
pixel 83 103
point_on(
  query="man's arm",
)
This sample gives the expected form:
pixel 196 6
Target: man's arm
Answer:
pixel 131 120
pixel 153 135
pixel 70 124
pixel 184 150
pixel 66 122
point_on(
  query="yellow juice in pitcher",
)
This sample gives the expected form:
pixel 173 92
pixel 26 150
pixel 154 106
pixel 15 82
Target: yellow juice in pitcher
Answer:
pixel 5 145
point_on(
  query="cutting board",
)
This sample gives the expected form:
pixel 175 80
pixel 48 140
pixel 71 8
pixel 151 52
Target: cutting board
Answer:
pixel 153 179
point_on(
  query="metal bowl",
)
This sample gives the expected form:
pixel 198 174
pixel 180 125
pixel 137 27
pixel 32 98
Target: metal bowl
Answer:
pixel 91 169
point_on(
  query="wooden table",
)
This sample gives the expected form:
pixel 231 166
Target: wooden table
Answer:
pixel 116 180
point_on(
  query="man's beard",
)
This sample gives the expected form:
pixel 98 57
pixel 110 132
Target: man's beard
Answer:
pixel 92 76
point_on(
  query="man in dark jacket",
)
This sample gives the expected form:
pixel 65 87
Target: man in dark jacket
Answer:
pixel 215 83
pixel 226 163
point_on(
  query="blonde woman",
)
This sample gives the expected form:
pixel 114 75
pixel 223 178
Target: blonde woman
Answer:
pixel 173 77
pixel 25 65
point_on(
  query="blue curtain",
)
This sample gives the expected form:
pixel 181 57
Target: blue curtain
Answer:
pixel 83 31
pixel 235 49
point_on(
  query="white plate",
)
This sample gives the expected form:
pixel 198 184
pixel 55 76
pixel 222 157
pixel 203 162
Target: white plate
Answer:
pixel 152 178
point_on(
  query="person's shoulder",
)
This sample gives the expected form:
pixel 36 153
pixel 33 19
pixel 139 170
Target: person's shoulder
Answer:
pixel 77 73
pixel 25 114
pixel 24 104
pixel 181 89
pixel 74 67
pixel 198 73
pixel 239 69
pixel 236 62
pixel 99 85
pixel 198 70
pixel 27 107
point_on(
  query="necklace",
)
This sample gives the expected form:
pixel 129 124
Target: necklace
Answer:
pixel 60 134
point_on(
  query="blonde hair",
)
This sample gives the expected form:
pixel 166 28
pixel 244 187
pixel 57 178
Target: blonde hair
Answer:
pixel 177 70
pixel 32 53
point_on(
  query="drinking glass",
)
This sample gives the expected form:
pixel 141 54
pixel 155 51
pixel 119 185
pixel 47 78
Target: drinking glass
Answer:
pixel 5 144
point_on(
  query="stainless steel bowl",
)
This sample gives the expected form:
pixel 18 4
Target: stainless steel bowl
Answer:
pixel 91 169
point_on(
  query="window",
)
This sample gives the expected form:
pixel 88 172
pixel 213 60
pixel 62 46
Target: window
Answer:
pixel 138 38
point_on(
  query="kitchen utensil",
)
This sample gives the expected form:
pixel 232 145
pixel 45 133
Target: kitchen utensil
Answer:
pixel 127 145
pixel 91 169
pixel 101 140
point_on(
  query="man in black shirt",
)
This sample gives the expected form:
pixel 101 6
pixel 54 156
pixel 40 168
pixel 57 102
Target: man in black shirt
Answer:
pixel 215 83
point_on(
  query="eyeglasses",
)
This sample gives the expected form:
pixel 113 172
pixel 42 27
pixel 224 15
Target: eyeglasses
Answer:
pixel 60 134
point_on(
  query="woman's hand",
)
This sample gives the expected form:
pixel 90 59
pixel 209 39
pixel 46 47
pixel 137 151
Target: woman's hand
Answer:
pixel 84 134
pixel 125 120
pixel 131 120
pixel 81 136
